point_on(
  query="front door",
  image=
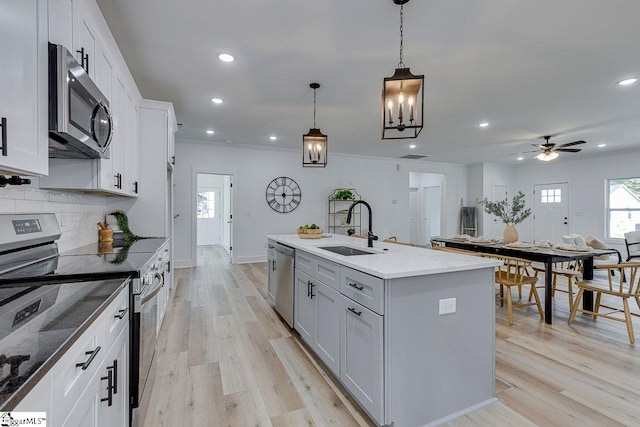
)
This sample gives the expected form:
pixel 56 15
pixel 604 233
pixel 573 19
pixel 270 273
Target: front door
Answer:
pixel 433 212
pixel 550 212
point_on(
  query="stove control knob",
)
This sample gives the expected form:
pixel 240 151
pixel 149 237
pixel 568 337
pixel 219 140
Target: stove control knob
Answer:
pixel 157 265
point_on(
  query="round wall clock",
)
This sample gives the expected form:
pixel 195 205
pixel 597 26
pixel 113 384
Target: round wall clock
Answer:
pixel 283 194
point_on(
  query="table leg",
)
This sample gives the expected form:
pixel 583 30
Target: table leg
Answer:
pixel 548 308
pixel 587 274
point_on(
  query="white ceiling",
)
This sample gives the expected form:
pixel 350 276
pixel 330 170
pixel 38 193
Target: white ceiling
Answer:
pixel 529 68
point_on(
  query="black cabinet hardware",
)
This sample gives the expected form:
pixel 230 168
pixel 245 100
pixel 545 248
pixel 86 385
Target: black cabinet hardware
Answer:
pixel 355 285
pixel 173 160
pixel 353 310
pixel 115 376
pixel 273 265
pixel 309 288
pixel 92 355
pixel 109 378
pixel 84 59
pixel 312 294
pixel 121 313
pixel 118 178
pixel 3 124
pixel 135 187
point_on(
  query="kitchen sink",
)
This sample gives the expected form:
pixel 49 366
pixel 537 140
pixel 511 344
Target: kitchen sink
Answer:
pixel 346 250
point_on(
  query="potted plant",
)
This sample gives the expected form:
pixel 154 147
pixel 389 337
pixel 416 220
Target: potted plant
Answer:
pixel 344 194
pixel 510 214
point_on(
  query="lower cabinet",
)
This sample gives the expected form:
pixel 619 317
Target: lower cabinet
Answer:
pixel 271 269
pixel 316 318
pixel 361 369
pixel 105 400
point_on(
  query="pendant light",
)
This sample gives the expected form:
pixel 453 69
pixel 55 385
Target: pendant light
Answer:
pixel 402 98
pixel 314 143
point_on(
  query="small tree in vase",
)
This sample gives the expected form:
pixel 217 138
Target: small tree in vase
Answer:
pixel 510 214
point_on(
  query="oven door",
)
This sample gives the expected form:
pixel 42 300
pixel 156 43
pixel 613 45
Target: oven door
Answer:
pixel 144 337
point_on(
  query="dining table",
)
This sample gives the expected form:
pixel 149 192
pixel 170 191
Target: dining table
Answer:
pixel 546 255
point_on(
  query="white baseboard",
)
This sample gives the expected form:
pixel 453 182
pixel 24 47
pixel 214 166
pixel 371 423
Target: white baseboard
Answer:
pixel 248 259
pixel 184 263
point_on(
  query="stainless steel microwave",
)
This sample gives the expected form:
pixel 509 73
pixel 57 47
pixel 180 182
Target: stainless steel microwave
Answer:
pixel 80 122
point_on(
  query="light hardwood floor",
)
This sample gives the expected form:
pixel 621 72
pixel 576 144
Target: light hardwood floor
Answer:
pixel 225 358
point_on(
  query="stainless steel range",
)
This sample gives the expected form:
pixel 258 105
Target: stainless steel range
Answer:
pixel 32 271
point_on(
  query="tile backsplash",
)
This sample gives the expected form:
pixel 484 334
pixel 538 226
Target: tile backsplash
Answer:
pixel 77 213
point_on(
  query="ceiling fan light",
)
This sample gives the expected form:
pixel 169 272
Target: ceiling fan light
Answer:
pixel 547 156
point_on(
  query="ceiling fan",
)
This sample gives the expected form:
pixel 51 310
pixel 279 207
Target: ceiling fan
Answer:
pixel 549 150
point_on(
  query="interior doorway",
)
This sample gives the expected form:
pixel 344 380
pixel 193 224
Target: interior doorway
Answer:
pixel 426 199
pixel 214 210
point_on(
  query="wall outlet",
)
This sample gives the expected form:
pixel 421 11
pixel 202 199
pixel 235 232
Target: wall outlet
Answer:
pixel 447 306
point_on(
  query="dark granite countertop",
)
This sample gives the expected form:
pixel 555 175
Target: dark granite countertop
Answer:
pixel 31 344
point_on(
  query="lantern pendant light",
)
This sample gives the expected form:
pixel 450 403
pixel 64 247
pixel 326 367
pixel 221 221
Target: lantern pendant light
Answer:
pixel 314 143
pixel 402 98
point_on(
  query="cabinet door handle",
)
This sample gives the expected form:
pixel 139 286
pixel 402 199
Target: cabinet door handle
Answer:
pixel 308 287
pixel 312 294
pixel 273 265
pixel 92 354
pixel 355 285
pixel 173 160
pixel 121 314
pixel 135 187
pixel 3 124
pixel 115 376
pixel 109 378
pixel 353 310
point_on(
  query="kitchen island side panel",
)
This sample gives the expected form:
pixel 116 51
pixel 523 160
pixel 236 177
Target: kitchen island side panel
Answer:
pixel 439 367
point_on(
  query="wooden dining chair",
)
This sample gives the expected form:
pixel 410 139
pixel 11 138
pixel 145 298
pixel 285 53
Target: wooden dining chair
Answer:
pixel 513 272
pixel 615 287
pixel 570 270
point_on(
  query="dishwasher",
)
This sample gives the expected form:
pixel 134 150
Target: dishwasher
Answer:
pixel 283 289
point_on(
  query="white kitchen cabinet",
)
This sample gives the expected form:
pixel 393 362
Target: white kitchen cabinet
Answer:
pixel 361 369
pixel 85 38
pixel 317 318
pixel 156 125
pixel 24 142
pixel 38 399
pixel 105 400
pixel 131 154
pixel 61 22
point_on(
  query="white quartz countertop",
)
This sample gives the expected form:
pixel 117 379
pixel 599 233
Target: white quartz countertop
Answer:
pixel 394 262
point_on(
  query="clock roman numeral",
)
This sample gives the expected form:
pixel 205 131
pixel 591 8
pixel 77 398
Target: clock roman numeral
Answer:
pixel 295 201
pixel 272 194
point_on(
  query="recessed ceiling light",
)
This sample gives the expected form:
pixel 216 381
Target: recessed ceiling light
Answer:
pixel 602 145
pixel 627 82
pixel 225 57
pixel 273 137
pixel 413 146
pixel 483 124
pixel 210 132
pixel 217 100
pixel 520 158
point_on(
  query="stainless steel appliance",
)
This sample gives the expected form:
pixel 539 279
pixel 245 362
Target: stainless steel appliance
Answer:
pixel 80 123
pixel 284 264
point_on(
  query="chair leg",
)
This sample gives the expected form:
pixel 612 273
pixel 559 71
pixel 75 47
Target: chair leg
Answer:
pixel 509 305
pixel 501 295
pixel 596 305
pixel 570 289
pixel 576 303
pixel 537 298
pixel 637 301
pixel 520 292
pixel 627 316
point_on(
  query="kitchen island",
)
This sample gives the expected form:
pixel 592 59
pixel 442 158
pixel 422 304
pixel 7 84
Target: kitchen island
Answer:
pixel 408 331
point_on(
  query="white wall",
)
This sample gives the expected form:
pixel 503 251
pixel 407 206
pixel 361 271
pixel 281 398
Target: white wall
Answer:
pixel 77 213
pixel 383 183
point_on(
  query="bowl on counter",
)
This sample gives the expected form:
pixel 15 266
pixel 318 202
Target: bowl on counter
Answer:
pixel 310 233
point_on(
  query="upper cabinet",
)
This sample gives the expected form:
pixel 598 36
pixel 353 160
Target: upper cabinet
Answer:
pixel 24 142
pixel 80 26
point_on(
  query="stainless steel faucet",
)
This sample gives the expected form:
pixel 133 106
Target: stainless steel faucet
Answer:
pixel 370 236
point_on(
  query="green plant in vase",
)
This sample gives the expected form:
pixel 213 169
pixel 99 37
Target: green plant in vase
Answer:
pixel 344 194
pixel 511 214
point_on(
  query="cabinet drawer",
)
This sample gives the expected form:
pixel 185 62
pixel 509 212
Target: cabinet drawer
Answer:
pixel 116 316
pixel 363 288
pixel 327 272
pixel 69 380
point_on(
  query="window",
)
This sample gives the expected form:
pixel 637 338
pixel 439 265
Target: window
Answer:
pixel 623 206
pixel 551 196
pixel 206 204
